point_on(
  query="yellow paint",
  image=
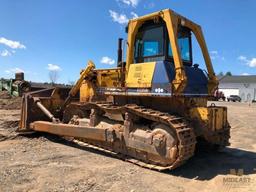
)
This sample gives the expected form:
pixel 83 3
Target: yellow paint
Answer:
pixel 86 91
pixel 214 117
pixel 140 75
pixel 105 78
pixel 172 20
pixel 109 77
pixel 200 113
pixel 84 74
pixel 218 118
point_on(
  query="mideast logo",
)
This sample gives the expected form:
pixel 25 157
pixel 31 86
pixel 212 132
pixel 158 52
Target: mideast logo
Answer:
pixel 239 179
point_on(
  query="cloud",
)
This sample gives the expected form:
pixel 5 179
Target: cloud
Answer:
pixel 134 15
pixel 5 53
pixel 53 67
pixel 215 55
pixel 12 44
pixel 245 74
pixel 214 52
pixel 107 60
pixel 242 58
pixel 149 6
pixel 14 70
pixel 119 18
pixel 250 62
pixel 132 3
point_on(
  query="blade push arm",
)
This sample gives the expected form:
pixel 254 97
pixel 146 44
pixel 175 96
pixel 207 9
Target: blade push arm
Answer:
pixel 85 73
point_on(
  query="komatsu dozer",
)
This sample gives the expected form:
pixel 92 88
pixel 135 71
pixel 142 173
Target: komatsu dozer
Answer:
pixel 151 109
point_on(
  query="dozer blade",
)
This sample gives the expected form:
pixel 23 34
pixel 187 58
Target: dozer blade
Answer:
pixel 51 99
pixel 49 104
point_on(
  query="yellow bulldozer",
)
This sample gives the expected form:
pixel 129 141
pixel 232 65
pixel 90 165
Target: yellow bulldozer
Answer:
pixel 151 109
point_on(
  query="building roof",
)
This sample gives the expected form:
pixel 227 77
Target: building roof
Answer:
pixel 237 79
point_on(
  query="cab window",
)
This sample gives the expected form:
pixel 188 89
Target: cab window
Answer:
pixel 152 44
pixel 184 42
pixel 150 48
pixel 149 43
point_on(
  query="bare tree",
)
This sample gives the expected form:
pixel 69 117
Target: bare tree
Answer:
pixel 53 76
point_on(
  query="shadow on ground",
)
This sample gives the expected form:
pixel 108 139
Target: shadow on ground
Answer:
pixel 207 165
pixel 203 166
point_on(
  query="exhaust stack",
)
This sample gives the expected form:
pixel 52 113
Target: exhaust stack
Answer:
pixel 119 52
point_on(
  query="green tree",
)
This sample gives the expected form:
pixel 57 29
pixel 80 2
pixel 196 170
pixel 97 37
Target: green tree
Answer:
pixel 221 74
pixel 228 73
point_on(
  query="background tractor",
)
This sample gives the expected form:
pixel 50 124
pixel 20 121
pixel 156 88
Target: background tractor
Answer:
pixel 15 87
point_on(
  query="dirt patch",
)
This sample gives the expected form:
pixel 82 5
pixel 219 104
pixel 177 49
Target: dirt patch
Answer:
pixel 8 102
pixel 44 162
pixel 8 137
pixel 2 137
pixel 10 124
pixel 5 95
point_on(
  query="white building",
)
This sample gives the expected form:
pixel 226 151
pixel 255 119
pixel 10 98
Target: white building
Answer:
pixel 244 86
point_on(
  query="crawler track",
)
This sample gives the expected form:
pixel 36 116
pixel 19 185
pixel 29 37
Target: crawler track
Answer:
pixel 184 133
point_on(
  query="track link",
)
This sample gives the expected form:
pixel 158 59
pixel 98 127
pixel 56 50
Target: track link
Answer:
pixel 185 134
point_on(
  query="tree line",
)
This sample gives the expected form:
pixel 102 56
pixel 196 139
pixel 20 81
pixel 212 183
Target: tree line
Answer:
pixel 226 74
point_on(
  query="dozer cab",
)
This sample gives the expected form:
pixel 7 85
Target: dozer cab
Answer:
pixel 151 109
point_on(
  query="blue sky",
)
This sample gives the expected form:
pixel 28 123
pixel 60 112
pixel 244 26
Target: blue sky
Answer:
pixel 62 35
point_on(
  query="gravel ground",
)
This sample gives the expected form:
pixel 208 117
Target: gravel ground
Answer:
pixel 9 102
pixel 43 162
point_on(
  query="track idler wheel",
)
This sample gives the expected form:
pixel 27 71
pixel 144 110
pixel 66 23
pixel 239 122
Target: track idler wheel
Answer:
pixel 165 141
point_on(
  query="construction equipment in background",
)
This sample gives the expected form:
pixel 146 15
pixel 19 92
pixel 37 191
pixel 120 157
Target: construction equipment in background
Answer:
pixel 18 86
pixel 151 109
pixel 219 96
pixel 15 87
